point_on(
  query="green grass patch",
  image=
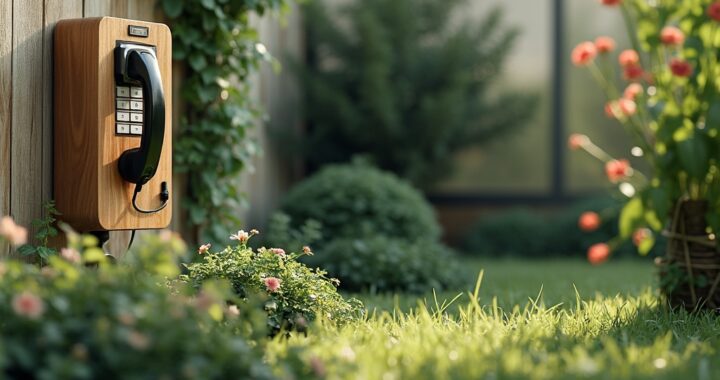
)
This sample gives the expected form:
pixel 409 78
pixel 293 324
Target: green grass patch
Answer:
pixel 614 326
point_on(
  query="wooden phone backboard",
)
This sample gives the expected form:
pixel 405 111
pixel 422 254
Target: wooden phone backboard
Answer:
pixel 88 189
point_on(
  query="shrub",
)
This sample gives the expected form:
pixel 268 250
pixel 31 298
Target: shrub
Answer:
pixel 522 232
pixel 81 317
pixel 296 294
pixel 357 200
pixel 405 83
pixel 381 263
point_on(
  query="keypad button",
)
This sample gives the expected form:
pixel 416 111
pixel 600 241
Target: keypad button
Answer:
pixel 122 116
pixel 136 105
pixel 122 91
pixel 136 92
pixel 122 129
pixel 123 105
pixel 136 129
pixel 136 117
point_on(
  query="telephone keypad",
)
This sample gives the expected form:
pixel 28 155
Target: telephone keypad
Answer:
pixel 129 107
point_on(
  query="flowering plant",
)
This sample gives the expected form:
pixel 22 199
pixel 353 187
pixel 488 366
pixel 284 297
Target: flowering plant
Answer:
pixel 296 294
pixel 670 107
pixel 82 317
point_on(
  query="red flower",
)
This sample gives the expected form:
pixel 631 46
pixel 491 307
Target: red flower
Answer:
pixel 633 72
pixel 617 170
pixel 627 106
pixel 583 53
pixel 680 68
pixel 713 11
pixel 589 221
pixel 598 253
pixel 604 44
pixel 671 35
pixel 611 3
pixel 628 58
pixel 577 140
pixel 641 234
pixel 632 91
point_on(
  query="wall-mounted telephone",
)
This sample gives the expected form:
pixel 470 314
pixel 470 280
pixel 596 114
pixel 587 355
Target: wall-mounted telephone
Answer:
pixel 112 123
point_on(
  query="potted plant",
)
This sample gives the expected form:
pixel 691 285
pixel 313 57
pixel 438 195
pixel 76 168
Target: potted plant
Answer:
pixel 670 107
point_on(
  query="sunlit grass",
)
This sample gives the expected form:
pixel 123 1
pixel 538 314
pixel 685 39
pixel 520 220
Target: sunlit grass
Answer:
pixel 480 336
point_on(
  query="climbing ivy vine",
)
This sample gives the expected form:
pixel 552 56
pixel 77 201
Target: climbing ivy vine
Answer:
pixel 219 49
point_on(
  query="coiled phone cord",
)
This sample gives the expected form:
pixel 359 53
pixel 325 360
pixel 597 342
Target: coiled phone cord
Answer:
pixel 164 197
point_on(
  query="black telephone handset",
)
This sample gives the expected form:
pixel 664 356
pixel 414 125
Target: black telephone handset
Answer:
pixel 137 65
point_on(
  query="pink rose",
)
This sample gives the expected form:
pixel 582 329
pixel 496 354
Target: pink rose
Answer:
pixel 28 305
pixel 272 284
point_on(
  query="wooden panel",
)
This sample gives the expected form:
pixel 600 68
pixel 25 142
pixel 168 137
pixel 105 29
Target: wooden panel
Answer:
pixel 5 109
pixel 55 10
pixel 27 100
pixel 76 150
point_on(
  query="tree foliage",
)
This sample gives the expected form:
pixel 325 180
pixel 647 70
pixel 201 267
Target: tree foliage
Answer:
pixel 405 83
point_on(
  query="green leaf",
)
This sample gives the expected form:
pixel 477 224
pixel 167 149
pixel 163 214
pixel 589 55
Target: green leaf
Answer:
pixel 631 217
pixel 646 245
pixel 197 61
pixel 693 155
pixel 208 4
pixel 173 8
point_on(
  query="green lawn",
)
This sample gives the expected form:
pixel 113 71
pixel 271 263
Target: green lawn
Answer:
pixel 615 329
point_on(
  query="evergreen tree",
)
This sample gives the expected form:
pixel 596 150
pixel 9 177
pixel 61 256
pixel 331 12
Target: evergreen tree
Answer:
pixel 405 84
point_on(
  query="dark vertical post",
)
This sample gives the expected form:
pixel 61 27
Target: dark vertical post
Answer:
pixel 558 101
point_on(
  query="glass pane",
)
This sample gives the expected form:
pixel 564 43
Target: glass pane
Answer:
pixel 519 163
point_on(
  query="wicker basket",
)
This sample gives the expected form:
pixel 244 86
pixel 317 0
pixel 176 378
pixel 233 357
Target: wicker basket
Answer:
pixel 690 271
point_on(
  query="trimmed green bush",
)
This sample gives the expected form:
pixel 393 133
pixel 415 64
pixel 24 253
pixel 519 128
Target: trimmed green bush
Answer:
pixel 368 228
pixel 357 200
pixel 380 263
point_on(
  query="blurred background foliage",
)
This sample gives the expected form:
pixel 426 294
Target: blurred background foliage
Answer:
pixel 404 84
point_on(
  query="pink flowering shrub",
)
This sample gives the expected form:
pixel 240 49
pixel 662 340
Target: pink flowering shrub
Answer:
pixel 295 294
pixel 668 102
pixel 80 317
